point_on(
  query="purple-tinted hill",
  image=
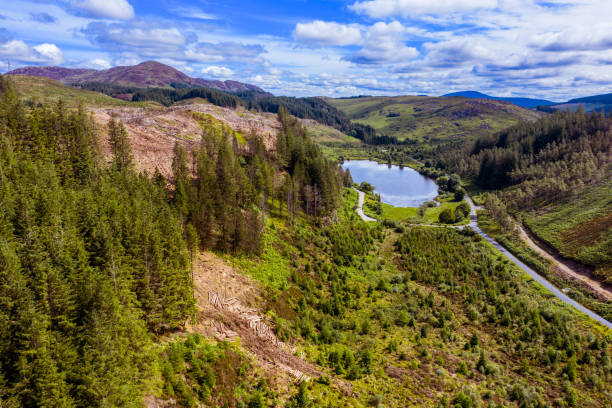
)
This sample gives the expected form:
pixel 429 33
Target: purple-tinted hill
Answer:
pixel 144 75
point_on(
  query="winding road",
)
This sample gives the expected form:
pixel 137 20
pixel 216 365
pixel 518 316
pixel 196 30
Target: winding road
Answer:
pixel 552 288
pixel 360 206
pixel 474 225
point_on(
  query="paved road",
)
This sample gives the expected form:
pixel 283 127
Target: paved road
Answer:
pixel 474 225
pixel 360 206
pixel 531 272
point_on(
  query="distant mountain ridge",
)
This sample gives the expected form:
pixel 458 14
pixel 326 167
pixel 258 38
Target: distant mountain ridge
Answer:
pixel 144 75
pixel 603 98
pixel 523 102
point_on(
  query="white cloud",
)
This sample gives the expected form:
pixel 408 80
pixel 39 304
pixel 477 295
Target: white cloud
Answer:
pixel 327 33
pixel 384 44
pixel 113 9
pixel 41 54
pixel 406 8
pixel 138 38
pixel 192 12
pixel 218 72
pixel 50 52
pixel 98 63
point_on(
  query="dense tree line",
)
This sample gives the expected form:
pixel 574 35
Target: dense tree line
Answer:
pixel 92 262
pixel 169 96
pixel 164 96
pixel 321 111
pixel 547 159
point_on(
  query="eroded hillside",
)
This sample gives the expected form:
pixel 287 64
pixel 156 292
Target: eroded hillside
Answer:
pixel 153 131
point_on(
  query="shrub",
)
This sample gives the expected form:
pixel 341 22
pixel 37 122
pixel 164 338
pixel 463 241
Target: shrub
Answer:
pixel 459 194
pixel 447 216
pixel 463 208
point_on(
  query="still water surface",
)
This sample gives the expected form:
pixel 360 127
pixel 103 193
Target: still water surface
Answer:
pixel 399 187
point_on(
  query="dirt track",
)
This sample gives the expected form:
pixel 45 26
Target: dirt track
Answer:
pixel 573 272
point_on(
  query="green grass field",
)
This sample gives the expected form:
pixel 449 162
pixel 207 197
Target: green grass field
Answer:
pixel 410 215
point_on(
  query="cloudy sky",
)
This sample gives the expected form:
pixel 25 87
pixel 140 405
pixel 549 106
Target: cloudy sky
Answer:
pixel 556 49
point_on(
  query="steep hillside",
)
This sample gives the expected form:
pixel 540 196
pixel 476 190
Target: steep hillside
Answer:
pixel 145 74
pixel 110 295
pixel 432 120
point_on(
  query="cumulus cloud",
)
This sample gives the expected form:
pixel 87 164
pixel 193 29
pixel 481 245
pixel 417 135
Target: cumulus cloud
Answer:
pixel 139 38
pixel 112 9
pixel 327 33
pixel 218 72
pixel 384 44
pixel 19 51
pixel 43 18
pixel 464 51
pixel 596 40
pixel 98 63
pixel 407 8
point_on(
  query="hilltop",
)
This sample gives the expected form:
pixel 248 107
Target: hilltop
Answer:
pixel 432 119
pixel 144 75
pixel 523 102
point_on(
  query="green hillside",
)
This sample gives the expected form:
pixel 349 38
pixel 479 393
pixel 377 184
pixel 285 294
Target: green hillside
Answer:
pixel 45 90
pixel 432 120
pixel 556 173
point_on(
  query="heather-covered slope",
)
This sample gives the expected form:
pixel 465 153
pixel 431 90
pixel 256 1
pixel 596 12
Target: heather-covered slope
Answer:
pixel 146 74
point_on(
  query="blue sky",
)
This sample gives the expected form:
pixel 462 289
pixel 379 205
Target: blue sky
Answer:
pixel 556 49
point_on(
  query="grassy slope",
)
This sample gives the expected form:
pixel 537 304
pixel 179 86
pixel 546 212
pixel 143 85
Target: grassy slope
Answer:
pixel 432 119
pixel 45 90
pixel 326 134
pixel 579 228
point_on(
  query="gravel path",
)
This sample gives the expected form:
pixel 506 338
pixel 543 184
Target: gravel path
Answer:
pixel 360 206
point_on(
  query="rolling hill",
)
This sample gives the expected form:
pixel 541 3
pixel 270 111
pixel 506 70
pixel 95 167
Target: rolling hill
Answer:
pixel 144 75
pixel 523 102
pixel 432 119
pixel 45 90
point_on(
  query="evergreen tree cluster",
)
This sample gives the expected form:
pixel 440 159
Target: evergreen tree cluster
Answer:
pixel 225 194
pixel 95 259
pixel 167 96
pixel 164 96
pixel 93 262
pixel 545 160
